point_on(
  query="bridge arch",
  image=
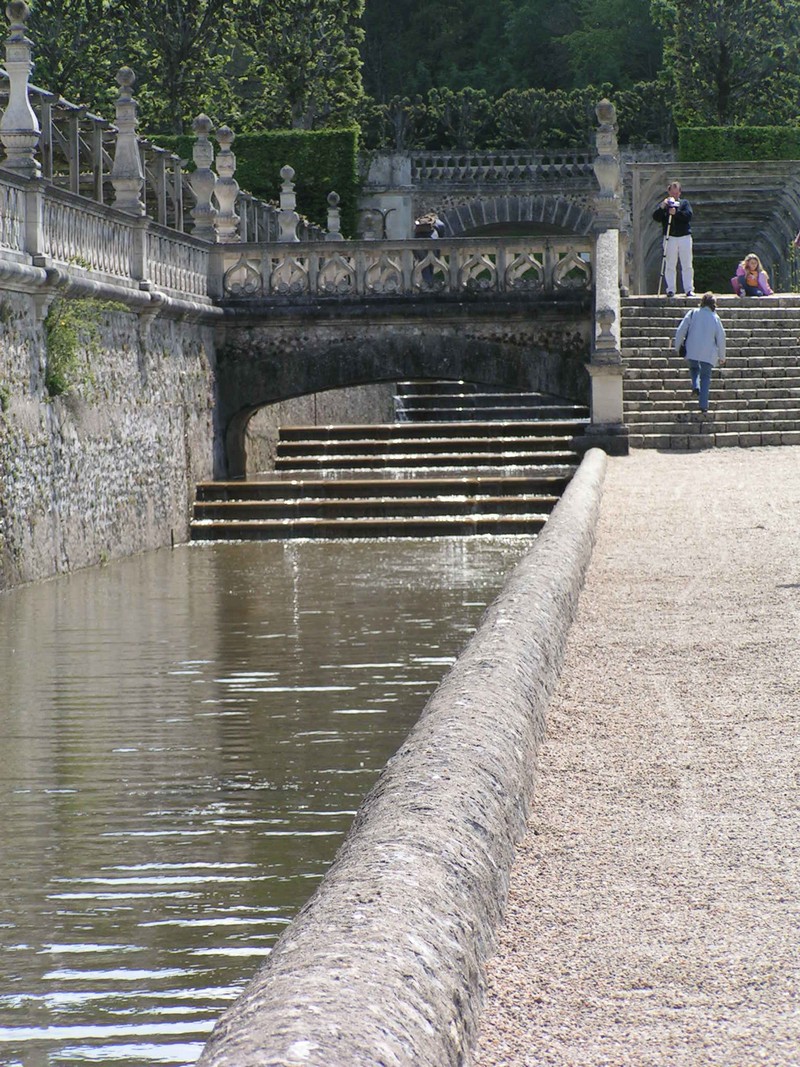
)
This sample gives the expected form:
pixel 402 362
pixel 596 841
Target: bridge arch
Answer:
pixel 544 213
pixel 542 348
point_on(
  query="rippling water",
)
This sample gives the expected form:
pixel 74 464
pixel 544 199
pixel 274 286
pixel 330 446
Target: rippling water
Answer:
pixel 186 736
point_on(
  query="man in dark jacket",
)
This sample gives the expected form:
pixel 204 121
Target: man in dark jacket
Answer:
pixel 675 215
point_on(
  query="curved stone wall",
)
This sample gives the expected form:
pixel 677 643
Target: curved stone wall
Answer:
pixel 385 964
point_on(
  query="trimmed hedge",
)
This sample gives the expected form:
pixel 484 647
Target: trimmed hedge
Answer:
pixel 713 273
pixel 701 144
pixel 323 161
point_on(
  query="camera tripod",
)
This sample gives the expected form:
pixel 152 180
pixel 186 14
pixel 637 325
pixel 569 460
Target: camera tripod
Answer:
pixel 664 254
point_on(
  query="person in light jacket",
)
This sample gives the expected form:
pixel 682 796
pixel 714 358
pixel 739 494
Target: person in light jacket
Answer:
pixel 704 335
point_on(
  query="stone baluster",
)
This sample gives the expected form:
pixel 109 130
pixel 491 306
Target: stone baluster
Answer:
pixel 203 180
pixel 127 173
pixel 226 189
pixel 288 219
pixel 19 128
pixel 605 367
pixel 334 218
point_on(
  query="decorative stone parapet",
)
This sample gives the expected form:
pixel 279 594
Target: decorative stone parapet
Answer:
pixel 407 268
pixel 19 127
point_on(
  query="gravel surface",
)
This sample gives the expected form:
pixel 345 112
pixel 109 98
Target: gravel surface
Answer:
pixel 654 913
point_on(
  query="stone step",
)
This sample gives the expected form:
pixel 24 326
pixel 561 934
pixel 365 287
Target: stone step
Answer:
pixel 493 414
pixel 426 447
pixel 786 432
pixel 384 487
pixel 512 457
pixel 328 529
pixel 400 433
pixel 708 439
pixel 374 507
pixel 666 400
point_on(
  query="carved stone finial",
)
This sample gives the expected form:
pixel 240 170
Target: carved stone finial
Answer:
pixel 288 219
pixel 19 127
pixel 202 180
pixel 334 218
pixel 227 188
pixel 17 13
pixel 607 168
pixel 127 174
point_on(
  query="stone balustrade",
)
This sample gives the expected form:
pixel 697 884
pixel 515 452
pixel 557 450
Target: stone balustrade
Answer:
pixel 406 268
pixel 503 168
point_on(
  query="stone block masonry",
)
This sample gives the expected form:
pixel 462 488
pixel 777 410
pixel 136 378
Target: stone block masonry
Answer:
pixel 108 467
pixel 385 964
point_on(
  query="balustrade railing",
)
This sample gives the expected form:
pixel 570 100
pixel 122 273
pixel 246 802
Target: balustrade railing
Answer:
pixel 407 268
pixel 476 168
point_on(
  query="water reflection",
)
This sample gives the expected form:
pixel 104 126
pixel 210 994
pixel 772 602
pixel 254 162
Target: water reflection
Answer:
pixel 186 737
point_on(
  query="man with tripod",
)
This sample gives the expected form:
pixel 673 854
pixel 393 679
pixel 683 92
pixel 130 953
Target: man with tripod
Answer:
pixel 675 215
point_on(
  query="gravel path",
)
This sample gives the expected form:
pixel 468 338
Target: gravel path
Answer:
pixel 654 915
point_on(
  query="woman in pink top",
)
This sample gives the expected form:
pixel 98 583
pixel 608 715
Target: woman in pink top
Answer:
pixel 750 278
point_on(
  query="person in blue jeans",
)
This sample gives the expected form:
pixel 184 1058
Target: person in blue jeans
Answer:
pixel 704 335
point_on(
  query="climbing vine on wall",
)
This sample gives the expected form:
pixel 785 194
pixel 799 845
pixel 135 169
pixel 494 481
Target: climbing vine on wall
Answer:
pixel 72 338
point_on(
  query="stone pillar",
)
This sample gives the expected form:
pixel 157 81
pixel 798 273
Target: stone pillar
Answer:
pixel 334 218
pixel 288 219
pixel 127 173
pixel 202 180
pixel 607 427
pixel 19 128
pixel 226 189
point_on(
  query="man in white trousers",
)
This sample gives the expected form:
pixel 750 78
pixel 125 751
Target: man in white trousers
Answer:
pixel 675 215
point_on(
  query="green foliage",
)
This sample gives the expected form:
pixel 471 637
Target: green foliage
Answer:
pixel 554 120
pixel 302 63
pixel 731 63
pixel 5 398
pixel 713 274
pixel 323 161
pixel 738 143
pixel 253 64
pixel 413 46
pixel 72 337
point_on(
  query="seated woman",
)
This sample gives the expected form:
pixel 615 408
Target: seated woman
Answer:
pixel 750 278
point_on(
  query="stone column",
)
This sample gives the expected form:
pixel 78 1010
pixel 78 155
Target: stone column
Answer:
pixel 19 128
pixel 334 218
pixel 202 180
pixel 226 189
pixel 127 173
pixel 607 427
pixel 288 219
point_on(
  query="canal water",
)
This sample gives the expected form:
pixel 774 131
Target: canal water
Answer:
pixel 185 738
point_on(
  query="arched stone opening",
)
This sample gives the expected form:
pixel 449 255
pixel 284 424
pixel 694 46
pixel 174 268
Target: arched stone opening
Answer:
pixel 543 215
pixel 546 354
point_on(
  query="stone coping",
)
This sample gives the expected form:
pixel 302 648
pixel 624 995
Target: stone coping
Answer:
pixel 385 963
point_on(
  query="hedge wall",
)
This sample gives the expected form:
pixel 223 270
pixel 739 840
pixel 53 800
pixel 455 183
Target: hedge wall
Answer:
pixel 323 161
pixel 700 144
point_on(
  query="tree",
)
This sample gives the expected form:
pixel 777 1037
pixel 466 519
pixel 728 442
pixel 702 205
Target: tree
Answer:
pixel 731 63
pixel 305 69
pixel 615 42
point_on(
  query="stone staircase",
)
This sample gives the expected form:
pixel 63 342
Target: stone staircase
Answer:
pixel 458 461
pixel 755 397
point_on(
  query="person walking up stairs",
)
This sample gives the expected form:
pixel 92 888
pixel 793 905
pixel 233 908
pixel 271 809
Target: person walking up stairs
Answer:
pixel 755 400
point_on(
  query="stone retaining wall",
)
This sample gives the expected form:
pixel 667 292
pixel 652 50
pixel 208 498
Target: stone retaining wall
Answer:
pixel 385 964
pixel 109 467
